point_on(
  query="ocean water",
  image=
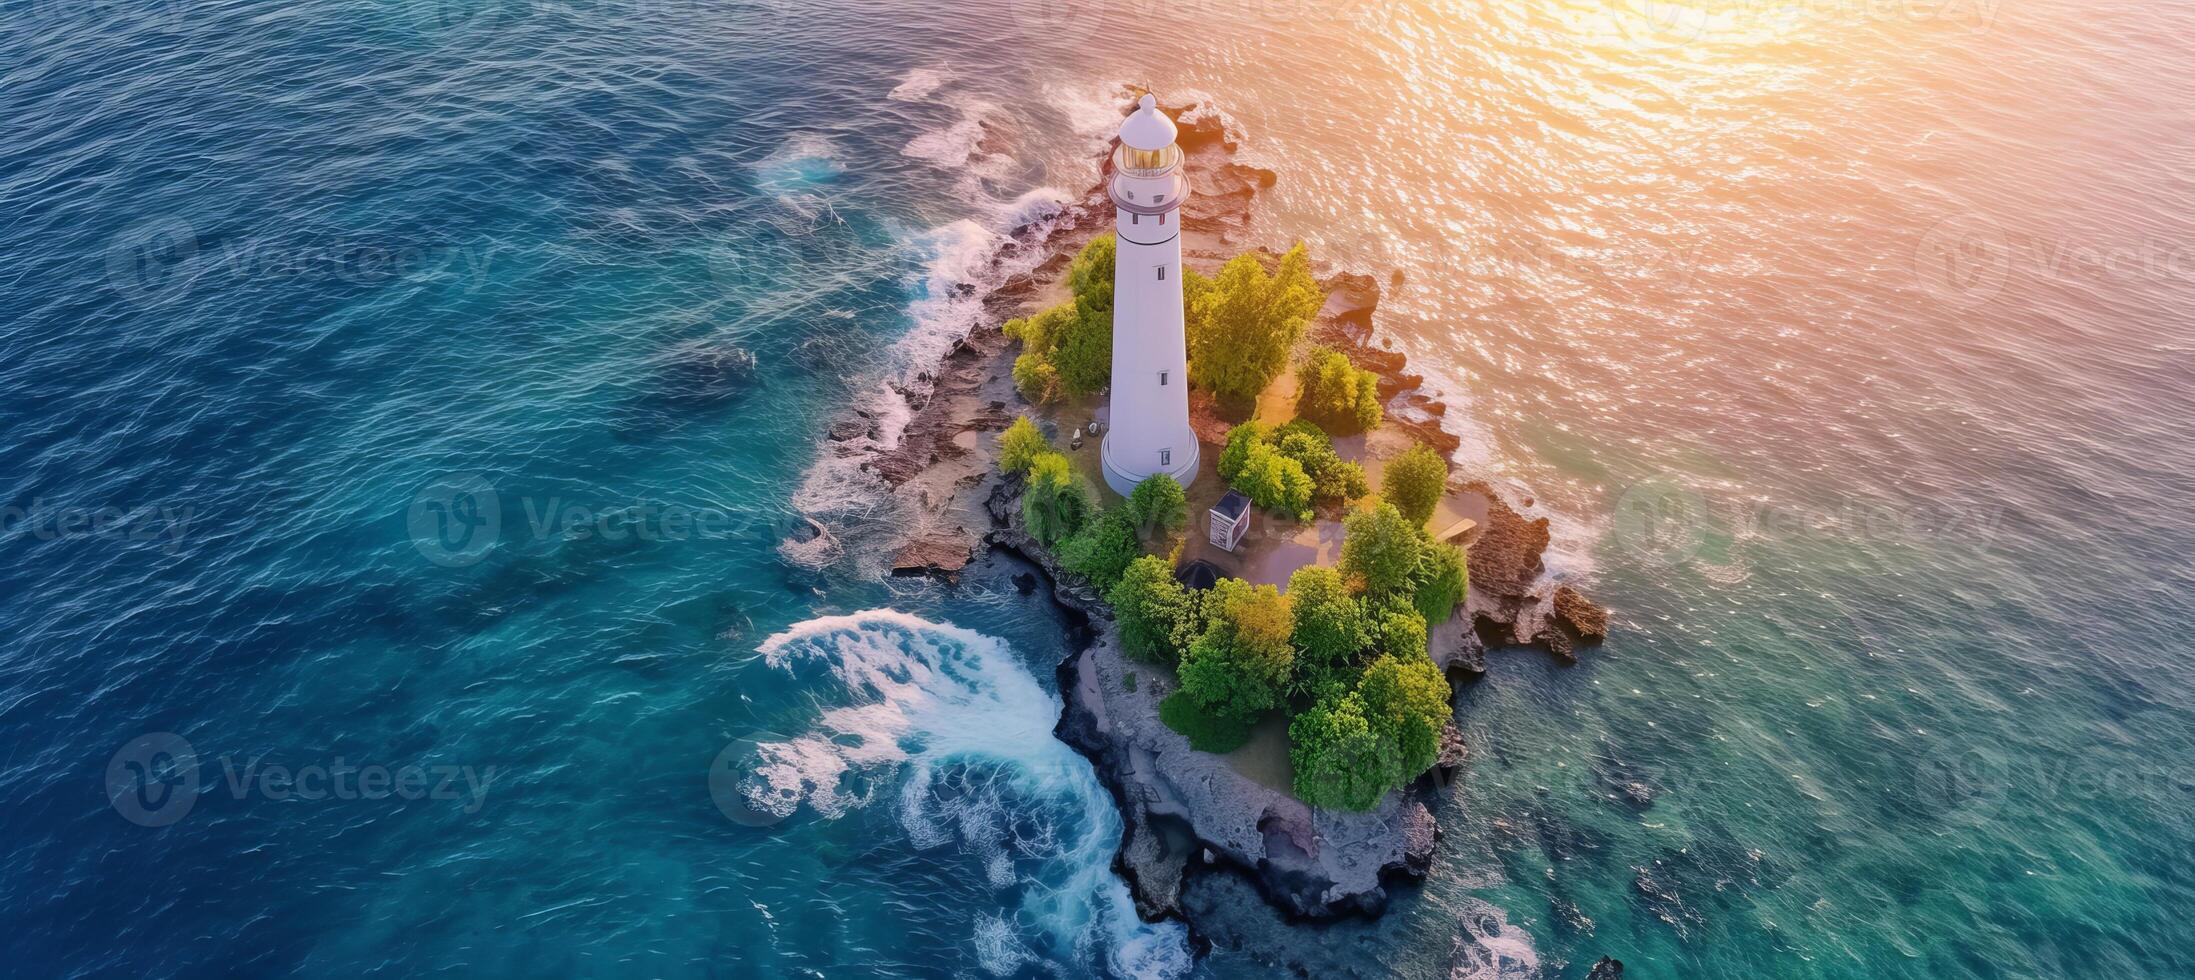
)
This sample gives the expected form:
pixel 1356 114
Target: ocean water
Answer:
pixel 403 406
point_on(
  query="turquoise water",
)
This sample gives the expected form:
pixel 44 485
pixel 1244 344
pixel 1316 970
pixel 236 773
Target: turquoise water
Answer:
pixel 428 389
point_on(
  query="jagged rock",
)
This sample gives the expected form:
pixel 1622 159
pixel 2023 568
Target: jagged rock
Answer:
pixel 1581 615
pixel 1606 969
pixel 1025 583
pixel 933 555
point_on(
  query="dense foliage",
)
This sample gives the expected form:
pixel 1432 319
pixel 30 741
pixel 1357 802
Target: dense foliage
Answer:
pixel 1067 350
pixel 1406 700
pixel 1020 445
pixel 1442 577
pixel 1415 482
pixel 1289 468
pixel 1207 732
pixel 1056 502
pixel 1239 668
pixel 1101 550
pixel 1339 761
pixel 1151 608
pixel 1336 394
pixel 1159 506
pixel 1330 630
pixel 1333 479
pixel 1243 322
pixel 1379 548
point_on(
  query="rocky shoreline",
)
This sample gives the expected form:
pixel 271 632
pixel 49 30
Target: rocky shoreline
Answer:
pixel 1185 812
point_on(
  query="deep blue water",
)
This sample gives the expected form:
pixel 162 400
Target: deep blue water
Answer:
pixel 1849 354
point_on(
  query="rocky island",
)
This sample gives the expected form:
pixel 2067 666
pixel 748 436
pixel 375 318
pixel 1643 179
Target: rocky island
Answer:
pixel 946 504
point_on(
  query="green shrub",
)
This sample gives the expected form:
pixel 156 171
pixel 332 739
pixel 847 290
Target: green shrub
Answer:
pixel 1101 550
pixel 1442 578
pixel 1329 631
pixel 1056 502
pixel 1406 701
pixel 1332 477
pixel 1240 441
pixel 1243 323
pixel 1399 632
pixel 1340 762
pixel 1152 609
pixel 1276 483
pixel 1241 665
pixel 1415 482
pixel 1335 394
pixel 1067 350
pixel 1207 732
pixel 1159 505
pixel 1380 547
pixel 1019 446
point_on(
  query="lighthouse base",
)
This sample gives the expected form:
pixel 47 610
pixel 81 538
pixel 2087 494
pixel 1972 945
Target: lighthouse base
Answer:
pixel 1124 480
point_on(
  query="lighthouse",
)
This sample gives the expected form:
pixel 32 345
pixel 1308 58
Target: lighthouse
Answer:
pixel 1149 431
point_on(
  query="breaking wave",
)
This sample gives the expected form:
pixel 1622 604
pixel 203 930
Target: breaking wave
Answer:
pixel 947 725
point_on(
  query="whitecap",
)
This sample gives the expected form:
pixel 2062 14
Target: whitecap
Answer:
pixel 965 728
pixel 919 84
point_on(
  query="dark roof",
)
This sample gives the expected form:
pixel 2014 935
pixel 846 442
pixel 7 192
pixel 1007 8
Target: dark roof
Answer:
pixel 1198 574
pixel 1232 506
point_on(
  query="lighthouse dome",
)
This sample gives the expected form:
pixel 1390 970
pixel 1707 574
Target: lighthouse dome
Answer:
pixel 1147 128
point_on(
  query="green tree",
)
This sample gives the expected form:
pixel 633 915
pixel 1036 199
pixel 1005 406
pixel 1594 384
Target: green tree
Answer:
pixel 1442 578
pixel 1151 608
pixel 1243 323
pixel 1159 505
pixel 1275 482
pixel 1019 446
pixel 1398 632
pixel 1415 482
pixel 1329 630
pixel 1406 701
pixel 1240 440
pixel 1101 551
pixel 1379 546
pixel 1332 477
pixel 1340 761
pixel 1055 503
pixel 1241 665
pixel 1334 393
pixel 1067 350
pixel 1090 276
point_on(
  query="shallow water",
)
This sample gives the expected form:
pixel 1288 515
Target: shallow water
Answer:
pixel 375 397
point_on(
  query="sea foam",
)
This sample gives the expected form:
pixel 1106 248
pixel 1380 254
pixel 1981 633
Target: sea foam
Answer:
pixel 965 731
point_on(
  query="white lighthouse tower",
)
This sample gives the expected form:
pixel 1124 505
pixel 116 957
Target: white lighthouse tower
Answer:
pixel 1150 431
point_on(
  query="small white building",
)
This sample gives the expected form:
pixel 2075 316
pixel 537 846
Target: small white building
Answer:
pixel 1230 520
pixel 1148 428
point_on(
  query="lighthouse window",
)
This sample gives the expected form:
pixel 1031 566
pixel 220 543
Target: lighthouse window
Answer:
pixel 1162 379
pixel 1162 218
pixel 1135 219
pixel 1162 273
pixel 1165 457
